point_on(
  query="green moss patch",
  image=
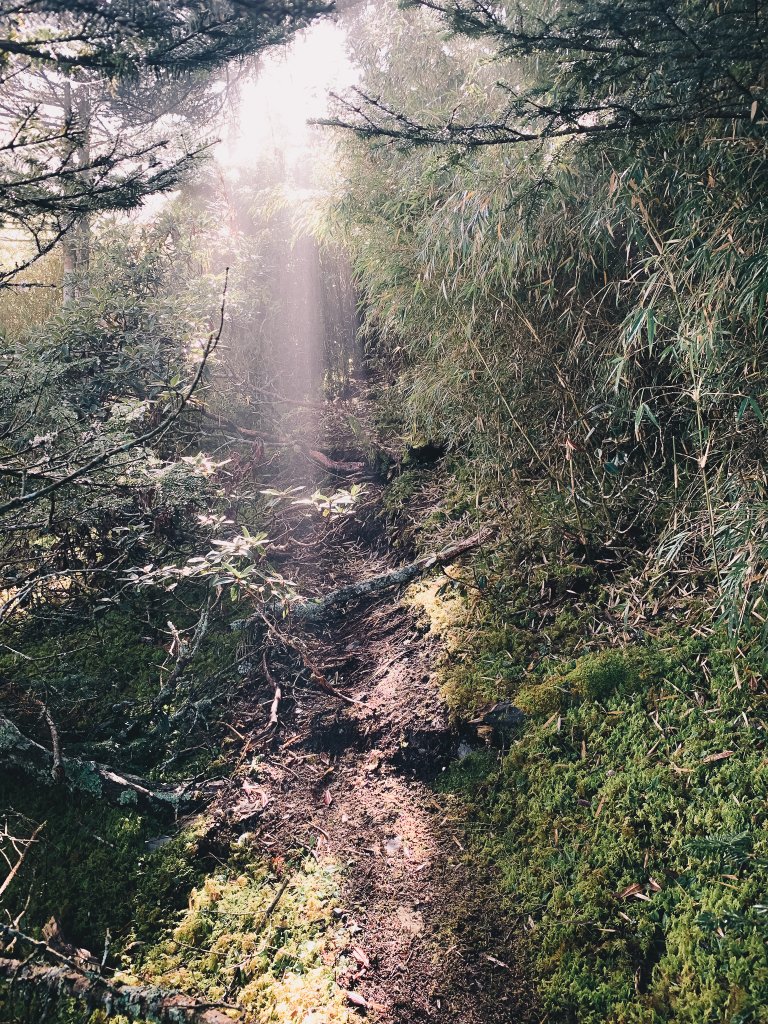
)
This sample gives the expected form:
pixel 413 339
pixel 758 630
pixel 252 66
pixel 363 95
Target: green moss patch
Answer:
pixel 630 829
pixel 84 869
pixel 264 940
pixel 100 670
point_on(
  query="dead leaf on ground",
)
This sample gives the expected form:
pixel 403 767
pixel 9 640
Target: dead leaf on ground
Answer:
pixel 711 758
pixel 361 958
pixel 630 890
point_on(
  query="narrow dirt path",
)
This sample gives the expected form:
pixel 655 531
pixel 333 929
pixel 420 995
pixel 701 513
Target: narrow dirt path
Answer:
pixel 351 780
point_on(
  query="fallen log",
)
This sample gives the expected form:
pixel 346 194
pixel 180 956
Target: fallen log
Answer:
pixel 136 1002
pixel 333 466
pixel 315 610
pixel 20 753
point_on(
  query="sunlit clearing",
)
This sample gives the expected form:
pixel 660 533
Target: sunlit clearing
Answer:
pixel 269 148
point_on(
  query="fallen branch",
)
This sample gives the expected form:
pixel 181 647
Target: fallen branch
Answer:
pixel 317 609
pixel 187 653
pixel 315 673
pixel 136 1002
pixel 332 466
pixel 275 708
pixel 317 677
pixel 20 753
pixel 57 768
pixel 320 458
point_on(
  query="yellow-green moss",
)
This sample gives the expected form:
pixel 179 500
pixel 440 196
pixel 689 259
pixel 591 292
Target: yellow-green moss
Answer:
pixel 443 608
pixel 541 698
pixel 277 963
pixel 597 676
pixel 631 835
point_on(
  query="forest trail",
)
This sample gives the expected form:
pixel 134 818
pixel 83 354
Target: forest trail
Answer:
pixel 351 780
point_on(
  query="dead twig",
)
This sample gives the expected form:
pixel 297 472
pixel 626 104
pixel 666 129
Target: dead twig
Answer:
pixel 273 905
pixel 274 709
pixel 27 844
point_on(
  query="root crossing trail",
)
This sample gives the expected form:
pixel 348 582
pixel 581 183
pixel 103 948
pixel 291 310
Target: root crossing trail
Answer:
pixel 352 780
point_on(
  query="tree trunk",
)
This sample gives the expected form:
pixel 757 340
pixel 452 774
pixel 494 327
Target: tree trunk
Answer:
pixel 76 244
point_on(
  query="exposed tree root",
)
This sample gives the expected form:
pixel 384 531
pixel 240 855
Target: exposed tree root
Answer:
pixel 136 1002
pixel 20 753
pixel 332 465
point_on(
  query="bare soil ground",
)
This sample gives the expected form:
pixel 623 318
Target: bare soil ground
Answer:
pixel 352 780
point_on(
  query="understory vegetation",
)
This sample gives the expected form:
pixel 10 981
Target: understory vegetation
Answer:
pixel 523 302
pixel 625 819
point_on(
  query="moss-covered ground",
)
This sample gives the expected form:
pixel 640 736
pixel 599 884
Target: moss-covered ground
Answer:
pixel 171 910
pixel 261 936
pixel 626 818
pixel 92 867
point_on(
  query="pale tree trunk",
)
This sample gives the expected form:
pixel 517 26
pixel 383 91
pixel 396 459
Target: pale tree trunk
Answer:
pixel 77 242
pixel 83 226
